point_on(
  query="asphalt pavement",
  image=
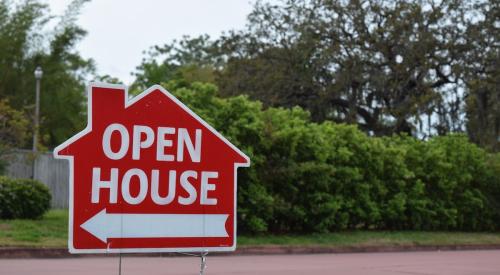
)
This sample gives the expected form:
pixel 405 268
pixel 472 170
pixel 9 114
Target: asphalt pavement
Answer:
pixel 486 262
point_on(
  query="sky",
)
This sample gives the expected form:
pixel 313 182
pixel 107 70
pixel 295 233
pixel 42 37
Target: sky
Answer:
pixel 119 31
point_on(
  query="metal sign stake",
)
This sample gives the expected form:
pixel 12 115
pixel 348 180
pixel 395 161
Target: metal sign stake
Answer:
pixel 120 265
pixel 203 263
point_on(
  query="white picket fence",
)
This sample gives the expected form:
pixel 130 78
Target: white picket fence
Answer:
pixel 52 172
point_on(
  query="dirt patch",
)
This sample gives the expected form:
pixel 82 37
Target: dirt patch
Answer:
pixel 5 226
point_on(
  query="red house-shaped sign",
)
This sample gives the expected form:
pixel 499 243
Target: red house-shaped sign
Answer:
pixel 148 175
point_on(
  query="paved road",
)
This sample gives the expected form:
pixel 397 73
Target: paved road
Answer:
pixel 416 263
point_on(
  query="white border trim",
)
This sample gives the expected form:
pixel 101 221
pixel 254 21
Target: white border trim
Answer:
pixel 88 129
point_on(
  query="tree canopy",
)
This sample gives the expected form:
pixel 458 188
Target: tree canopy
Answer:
pixel 26 43
pixel 419 67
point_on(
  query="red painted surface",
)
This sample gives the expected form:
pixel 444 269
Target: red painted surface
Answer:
pixel 156 108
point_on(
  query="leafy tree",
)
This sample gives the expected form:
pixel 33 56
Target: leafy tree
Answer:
pixel 108 79
pixel 387 66
pixel 483 79
pixel 188 60
pixel 26 44
pixel 13 126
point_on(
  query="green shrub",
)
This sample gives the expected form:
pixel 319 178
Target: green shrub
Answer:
pixel 23 198
pixel 493 186
pixel 307 177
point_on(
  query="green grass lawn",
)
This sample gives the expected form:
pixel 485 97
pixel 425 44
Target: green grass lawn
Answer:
pixel 375 238
pixel 51 231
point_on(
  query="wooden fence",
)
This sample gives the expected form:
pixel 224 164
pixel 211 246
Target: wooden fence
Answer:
pixel 52 172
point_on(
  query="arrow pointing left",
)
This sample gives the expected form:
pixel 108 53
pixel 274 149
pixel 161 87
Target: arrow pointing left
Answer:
pixel 105 225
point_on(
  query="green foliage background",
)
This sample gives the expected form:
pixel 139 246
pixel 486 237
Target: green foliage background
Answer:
pixel 321 177
pixel 25 43
pixel 383 67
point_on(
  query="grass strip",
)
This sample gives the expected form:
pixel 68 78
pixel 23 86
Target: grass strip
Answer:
pixel 51 231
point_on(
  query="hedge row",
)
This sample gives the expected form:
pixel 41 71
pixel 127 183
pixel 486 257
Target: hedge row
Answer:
pixel 23 198
pixel 308 177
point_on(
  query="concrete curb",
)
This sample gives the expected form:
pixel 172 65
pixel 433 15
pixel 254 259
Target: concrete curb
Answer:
pixel 23 253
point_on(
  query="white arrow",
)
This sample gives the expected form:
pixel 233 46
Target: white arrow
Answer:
pixel 104 225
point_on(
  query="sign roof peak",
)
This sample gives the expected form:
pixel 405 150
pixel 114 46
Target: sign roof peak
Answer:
pixel 59 150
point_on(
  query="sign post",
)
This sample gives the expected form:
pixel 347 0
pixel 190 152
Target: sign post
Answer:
pixel 149 175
